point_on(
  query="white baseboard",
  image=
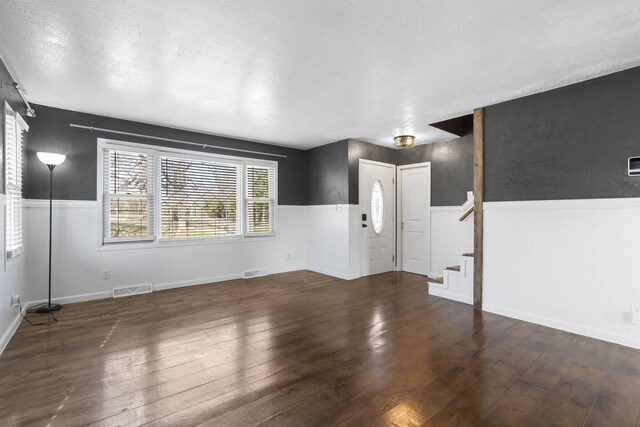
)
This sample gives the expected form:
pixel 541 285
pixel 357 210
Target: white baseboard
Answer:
pixel 6 337
pixel 444 293
pixel 73 298
pixel 196 282
pixel 286 270
pixel 162 286
pixel 333 273
pixel 564 326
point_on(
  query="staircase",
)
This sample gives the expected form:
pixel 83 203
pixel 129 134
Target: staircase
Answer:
pixel 456 282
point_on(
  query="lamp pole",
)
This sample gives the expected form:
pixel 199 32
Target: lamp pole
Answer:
pixel 51 167
pixel 50 307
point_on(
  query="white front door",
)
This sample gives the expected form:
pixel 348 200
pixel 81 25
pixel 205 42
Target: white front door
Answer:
pixel 377 206
pixel 415 217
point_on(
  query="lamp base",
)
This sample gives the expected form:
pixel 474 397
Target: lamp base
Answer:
pixel 49 308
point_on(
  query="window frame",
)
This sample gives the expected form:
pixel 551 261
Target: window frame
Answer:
pixel 151 199
pixel 190 156
pixel 12 254
pixel 247 200
pixel 158 151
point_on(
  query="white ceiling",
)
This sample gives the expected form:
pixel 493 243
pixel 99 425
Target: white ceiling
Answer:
pixel 303 73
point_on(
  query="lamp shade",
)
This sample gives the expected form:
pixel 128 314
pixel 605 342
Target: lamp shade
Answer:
pixel 51 158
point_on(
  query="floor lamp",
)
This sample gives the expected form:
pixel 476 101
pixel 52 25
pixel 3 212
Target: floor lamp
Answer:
pixel 51 160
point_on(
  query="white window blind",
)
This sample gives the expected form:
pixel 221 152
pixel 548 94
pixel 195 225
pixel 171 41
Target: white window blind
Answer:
pixel 128 207
pixel 199 198
pixel 14 138
pixel 260 190
pixel 171 195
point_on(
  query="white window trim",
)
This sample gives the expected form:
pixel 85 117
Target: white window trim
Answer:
pixel 150 224
pixel 190 155
pixel 10 257
pixel 245 202
pixel 157 241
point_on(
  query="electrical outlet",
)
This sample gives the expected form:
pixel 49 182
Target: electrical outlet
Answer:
pixel 288 256
pixel 15 300
pixel 106 274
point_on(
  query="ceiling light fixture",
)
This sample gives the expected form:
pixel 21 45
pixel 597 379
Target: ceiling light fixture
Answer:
pixel 403 141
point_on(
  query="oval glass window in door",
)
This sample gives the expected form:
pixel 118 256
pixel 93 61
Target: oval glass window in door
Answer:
pixel 377 208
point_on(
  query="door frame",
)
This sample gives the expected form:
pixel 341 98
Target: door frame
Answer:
pixel 393 209
pixel 399 170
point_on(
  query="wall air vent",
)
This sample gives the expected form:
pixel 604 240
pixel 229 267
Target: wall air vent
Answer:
pixel 132 290
pixel 254 273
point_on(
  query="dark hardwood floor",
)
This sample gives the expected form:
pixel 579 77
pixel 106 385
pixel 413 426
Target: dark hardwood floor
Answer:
pixel 306 349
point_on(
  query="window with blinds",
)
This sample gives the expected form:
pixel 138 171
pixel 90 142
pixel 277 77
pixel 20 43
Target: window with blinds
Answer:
pixel 199 198
pixel 176 195
pixel 128 208
pixel 15 130
pixel 259 199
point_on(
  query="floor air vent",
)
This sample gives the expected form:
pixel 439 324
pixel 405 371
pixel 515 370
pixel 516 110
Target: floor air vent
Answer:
pixel 132 290
pixel 254 273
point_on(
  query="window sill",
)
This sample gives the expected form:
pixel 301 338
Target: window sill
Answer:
pixel 159 244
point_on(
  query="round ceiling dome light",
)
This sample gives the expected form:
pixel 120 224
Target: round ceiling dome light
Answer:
pixel 403 141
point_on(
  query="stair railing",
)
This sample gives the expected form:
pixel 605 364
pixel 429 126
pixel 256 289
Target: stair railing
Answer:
pixel 466 213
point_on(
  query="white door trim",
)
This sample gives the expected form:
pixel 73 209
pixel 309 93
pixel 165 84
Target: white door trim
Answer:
pixel 399 170
pixel 373 162
pixel 393 209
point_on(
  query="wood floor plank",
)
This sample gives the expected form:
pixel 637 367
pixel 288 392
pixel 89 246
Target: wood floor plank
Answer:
pixel 302 348
pixel 517 406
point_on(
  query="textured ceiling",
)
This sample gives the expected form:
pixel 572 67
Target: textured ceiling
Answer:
pixel 306 72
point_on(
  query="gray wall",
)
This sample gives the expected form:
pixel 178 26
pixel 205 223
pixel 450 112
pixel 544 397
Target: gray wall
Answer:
pixel 76 178
pixel 328 174
pixel 319 176
pixel 451 168
pixel 333 169
pixel 9 94
pixel 363 150
pixel 568 143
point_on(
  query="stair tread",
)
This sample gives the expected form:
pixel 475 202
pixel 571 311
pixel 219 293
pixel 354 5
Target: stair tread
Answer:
pixel 435 279
pixel 453 268
pixel 471 254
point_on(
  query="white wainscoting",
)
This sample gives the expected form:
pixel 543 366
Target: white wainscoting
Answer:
pixel 450 237
pixel 568 264
pixel 78 263
pixel 355 242
pixel 334 246
pixel 332 242
pixel 12 281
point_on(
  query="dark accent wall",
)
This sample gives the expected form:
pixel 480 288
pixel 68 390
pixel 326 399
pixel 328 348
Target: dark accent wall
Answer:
pixel 451 168
pixel 333 169
pixel 328 174
pixel 320 176
pixel 364 150
pixel 76 178
pixel 567 143
pixel 9 94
